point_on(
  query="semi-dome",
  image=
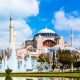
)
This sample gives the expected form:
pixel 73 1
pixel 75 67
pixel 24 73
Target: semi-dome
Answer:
pixel 46 30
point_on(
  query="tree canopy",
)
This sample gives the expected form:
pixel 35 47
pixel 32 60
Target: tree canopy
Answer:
pixel 65 56
pixel 43 58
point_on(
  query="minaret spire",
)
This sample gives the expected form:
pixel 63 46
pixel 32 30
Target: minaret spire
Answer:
pixel 71 37
pixel 11 27
pixel 12 61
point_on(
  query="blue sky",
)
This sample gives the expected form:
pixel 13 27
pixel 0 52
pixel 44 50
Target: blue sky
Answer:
pixel 47 11
pixel 30 16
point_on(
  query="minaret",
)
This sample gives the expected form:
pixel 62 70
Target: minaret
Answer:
pixel 71 37
pixel 11 27
pixel 12 61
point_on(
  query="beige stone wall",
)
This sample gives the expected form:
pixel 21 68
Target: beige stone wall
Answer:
pixel 78 50
pixel 40 39
pixel 39 42
pixel 48 38
pixel 21 52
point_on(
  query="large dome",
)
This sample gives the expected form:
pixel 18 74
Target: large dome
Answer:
pixel 46 30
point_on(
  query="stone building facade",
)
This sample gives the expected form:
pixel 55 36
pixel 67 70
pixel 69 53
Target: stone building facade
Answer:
pixel 47 38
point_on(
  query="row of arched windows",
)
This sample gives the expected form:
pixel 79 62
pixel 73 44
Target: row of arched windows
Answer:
pixel 48 34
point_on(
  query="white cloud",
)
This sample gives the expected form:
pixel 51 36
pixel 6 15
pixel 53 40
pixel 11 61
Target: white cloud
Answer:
pixel 19 8
pixel 64 21
pixel 77 41
pixel 23 32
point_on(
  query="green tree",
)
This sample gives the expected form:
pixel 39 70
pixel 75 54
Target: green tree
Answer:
pixel 44 58
pixel 8 72
pixel 65 57
pixel 77 65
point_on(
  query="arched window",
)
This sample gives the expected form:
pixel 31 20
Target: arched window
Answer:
pixel 49 43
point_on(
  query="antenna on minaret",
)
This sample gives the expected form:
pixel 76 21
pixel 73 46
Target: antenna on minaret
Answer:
pixel 10 18
pixel 11 21
pixel 10 15
pixel 71 37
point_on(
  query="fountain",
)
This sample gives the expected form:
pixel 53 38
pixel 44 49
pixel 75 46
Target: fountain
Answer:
pixel 22 66
pixel 29 63
pixel 12 61
pixel 2 68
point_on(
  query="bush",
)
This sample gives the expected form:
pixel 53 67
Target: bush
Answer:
pixel 8 78
pixel 8 71
pixel 53 66
pixel 77 64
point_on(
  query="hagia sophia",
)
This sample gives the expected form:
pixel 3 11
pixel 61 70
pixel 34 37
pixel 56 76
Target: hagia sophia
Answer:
pixel 46 41
pixel 45 38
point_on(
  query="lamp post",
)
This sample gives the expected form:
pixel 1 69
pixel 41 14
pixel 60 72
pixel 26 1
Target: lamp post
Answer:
pixel 51 60
pixel 51 63
pixel 72 63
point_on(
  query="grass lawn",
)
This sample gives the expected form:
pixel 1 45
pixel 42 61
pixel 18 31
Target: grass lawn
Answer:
pixel 44 74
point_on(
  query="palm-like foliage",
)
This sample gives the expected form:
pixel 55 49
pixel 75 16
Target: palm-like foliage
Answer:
pixel 44 58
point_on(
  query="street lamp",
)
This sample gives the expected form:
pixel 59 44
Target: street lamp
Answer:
pixel 72 63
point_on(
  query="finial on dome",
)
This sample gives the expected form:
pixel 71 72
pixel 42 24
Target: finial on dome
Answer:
pixel 46 27
pixel 46 30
